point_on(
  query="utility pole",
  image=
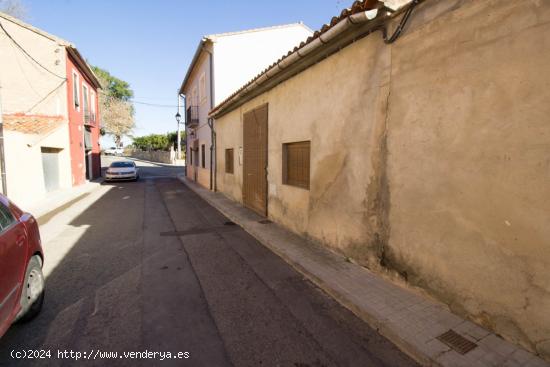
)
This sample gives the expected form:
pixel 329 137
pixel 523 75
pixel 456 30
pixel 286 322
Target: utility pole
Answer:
pixel 179 130
pixel 2 155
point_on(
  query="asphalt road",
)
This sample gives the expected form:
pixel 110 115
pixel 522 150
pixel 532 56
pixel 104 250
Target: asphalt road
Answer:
pixel 149 266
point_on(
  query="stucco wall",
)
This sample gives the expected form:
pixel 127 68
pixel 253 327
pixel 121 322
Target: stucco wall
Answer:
pixel 469 166
pixel 429 158
pixel 24 169
pixel 24 83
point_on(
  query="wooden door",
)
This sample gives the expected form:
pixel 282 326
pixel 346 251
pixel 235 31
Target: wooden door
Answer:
pixel 255 160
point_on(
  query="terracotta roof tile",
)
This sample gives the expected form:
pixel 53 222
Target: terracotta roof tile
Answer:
pixel 32 124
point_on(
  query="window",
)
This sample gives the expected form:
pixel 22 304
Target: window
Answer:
pixel 194 97
pixel 92 105
pixel 229 160
pixel 6 218
pixel 202 88
pixel 203 156
pixel 76 96
pixel 191 155
pixel 296 164
pixel 85 99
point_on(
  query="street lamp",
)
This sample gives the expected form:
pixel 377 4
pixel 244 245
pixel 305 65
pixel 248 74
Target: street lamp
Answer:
pixel 178 119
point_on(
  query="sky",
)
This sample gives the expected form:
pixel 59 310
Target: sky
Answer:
pixel 151 43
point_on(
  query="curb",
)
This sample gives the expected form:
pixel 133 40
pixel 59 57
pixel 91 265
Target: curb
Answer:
pixel 79 193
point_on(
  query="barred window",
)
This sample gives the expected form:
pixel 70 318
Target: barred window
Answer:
pixel 229 160
pixel 296 161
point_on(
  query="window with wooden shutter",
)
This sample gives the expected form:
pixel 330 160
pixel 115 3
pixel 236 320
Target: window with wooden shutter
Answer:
pixel 229 160
pixel 296 157
pixel 203 156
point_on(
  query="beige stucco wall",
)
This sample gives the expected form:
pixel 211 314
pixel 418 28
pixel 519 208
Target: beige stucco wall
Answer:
pixel 25 83
pixel 469 167
pixel 429 158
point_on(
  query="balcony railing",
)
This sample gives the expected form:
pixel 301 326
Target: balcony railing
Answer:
pixel 192 116
pixel 89 118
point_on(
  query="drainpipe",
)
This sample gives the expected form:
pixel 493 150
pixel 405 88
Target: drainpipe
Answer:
pixel 182 96
pixel 178 145
pixel 2 155
pixel 213 150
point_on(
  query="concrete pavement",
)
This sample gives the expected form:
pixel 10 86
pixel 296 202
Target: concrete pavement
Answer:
pixel 150 266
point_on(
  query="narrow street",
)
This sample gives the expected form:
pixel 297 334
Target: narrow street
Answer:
pixel 150 266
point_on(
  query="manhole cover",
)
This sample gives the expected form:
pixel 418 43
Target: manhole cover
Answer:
pixel 265 221
pixel 457 342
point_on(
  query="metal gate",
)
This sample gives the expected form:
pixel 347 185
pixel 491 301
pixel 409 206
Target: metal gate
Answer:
pixel 255 160
pixel 50 167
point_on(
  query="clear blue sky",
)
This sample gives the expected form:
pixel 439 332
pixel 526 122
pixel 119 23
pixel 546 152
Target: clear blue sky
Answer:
pixel 150 43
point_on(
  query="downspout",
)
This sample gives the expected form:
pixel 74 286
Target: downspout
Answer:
pixel 213 150
pixel 401 25
pixel 182 96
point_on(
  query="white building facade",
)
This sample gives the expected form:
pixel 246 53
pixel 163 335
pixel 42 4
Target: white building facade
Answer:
pixel 221 64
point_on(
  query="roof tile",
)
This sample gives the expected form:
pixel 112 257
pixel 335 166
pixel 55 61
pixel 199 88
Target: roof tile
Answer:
pixel 32 124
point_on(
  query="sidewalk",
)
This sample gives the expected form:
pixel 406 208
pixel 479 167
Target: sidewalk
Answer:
pixel 411 321
pixel 61 199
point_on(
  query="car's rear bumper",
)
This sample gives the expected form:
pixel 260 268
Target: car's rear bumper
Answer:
pixel 120 177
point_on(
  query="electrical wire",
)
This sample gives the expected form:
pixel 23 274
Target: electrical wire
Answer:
pixel 29 55
pixel 154 104
pixel 47 95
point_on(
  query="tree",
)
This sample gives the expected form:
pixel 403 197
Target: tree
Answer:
pixel 14 8
pixel 156 141
pixel 118 117
pixel 112 85
pixel 117 110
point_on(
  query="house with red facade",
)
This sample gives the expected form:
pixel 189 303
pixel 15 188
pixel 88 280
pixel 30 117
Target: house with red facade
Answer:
pixel 50 113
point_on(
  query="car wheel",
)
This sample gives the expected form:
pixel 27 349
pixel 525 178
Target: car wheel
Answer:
pixel 32 295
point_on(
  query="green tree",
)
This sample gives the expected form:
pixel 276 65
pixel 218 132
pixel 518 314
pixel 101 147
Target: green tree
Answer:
pixel 117 110
pixel 113 86
pixel 156 141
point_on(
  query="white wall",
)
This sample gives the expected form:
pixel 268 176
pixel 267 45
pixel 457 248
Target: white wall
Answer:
pixel 24 171
pixel 240 57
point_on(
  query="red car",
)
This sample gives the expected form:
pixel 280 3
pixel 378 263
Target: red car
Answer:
pixel 21 259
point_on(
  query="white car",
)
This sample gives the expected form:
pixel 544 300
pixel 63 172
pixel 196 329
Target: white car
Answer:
pixel 113 151
pixel 122 170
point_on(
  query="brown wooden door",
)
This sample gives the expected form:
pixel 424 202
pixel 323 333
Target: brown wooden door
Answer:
pixel 255 160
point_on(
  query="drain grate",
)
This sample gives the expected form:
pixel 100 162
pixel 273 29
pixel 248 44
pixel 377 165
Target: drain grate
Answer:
pixel 265 221
pixel 229 223
pixel 457 342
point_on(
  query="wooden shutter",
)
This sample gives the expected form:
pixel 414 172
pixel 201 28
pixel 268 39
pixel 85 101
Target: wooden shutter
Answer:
pixel 255 159
pixel 229 160
pixel 296 164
